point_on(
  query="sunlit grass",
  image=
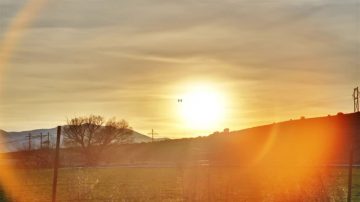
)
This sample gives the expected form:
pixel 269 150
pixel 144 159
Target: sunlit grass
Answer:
pixel 191 183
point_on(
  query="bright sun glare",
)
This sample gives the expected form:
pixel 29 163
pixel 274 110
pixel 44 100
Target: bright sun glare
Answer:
pixel 202 108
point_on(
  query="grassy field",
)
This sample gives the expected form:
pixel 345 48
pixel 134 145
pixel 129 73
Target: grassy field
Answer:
pixel 190 184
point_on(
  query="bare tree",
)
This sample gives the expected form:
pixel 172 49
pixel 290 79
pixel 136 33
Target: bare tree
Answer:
pixel 93 135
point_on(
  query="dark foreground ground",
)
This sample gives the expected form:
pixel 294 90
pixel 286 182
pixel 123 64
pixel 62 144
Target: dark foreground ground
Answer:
pixel 191 184
pixel 314 141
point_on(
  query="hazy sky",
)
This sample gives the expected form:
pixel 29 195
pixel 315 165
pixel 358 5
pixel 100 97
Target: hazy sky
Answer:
pixel 272 60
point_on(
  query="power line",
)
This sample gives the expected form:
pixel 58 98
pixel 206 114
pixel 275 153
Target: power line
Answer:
pixel 356 99
pixel 29 138
pixel 152 135
pixel 351 155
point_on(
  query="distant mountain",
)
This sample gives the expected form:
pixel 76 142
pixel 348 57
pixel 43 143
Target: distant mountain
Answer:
pixel 303 142
pixel 3 138
pixel 14 141
pixel 3 133
pixel 140 138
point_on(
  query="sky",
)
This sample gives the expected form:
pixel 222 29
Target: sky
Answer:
pixel 270 60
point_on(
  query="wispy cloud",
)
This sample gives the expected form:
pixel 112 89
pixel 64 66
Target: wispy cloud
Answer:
pixel 128 58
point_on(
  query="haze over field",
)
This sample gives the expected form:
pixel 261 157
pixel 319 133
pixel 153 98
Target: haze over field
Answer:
pixel 263 61
pixel 19 141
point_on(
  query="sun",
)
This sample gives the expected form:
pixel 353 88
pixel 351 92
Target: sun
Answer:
pixel 202 108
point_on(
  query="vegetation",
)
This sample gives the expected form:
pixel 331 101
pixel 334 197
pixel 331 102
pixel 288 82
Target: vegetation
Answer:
pixel 276 162
pixel 3 196
pixel 309 142
pixel 93 135
pixel 190 184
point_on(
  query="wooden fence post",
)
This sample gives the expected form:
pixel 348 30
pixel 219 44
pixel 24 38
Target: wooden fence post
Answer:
pixel 56 164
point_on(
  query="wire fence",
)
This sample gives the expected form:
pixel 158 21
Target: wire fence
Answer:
pixel 174 184
pixel 158 183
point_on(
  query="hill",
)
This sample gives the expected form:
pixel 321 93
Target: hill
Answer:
pixel 14 141
pixel 320 140
pixel 303 142
pixel 3 133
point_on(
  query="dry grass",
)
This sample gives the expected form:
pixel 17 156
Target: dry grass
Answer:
pixel 190 184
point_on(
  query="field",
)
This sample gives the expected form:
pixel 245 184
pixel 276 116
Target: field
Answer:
pixel 281 166
pixel 190 184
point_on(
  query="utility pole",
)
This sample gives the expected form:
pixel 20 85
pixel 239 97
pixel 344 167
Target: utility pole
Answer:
pixel 152 135
pixel 56 164
pixel 351 156
pixel 48 140
pixel 29 141
pixel 41 140
pixel 356 99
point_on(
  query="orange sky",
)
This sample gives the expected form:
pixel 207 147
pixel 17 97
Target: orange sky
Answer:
pixel 270 60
